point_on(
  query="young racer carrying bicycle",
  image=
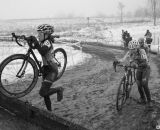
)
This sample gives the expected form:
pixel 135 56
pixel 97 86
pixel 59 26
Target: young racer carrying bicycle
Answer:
pixel 50 68
pixel 138 56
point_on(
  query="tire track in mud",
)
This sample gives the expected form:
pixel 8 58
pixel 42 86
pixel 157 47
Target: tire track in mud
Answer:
pixel 90 93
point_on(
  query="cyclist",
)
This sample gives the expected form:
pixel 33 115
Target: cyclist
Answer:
pixel 127 38
pixel 149 39
pixel 143 45
pixel 50 69
pixel 139 58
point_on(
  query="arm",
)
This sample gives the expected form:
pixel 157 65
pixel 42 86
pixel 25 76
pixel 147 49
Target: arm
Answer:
pixel 126 56
pixel 151 34
pixel 46 46
pixel 145 34
pixel 34 44
pixel 143 55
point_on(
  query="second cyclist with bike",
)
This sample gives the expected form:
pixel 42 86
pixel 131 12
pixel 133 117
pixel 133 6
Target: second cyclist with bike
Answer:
pixel 139 57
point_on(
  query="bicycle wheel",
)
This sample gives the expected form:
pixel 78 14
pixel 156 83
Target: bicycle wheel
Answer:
pixel 61 59
pixel 121 94
pixel 18 75
pixel 129 85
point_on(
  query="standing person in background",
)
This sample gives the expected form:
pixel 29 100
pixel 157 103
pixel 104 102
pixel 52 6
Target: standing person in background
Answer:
pixel 149 39
pixel 128 38
pixel 144 46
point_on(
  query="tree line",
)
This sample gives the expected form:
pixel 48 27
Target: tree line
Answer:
pixel 149 10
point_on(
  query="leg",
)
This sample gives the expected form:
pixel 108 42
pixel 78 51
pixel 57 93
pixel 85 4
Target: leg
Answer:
pixel 58 90
pixel 139 84
pixel 145 78
pixel 44 93
pixel 47 101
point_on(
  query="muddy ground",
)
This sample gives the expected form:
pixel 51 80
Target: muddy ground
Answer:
pixel 90 94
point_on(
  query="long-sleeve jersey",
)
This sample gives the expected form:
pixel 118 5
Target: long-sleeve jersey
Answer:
pixel 139 57
pixel 46 49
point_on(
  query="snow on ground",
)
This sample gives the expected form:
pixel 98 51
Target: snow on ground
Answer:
pixel 112 35
pixel 74 57
pixel 78 32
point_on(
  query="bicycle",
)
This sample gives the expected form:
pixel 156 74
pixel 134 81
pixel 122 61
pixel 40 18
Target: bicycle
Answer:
pixel 22 70
pixel 125 86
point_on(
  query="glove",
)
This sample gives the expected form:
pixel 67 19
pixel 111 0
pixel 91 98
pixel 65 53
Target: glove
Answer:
pixel 115 62
pixel 33 42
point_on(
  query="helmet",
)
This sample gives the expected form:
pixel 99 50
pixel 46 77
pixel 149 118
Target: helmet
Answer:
pixel 45 28
pixel 133 44
pixel 141 40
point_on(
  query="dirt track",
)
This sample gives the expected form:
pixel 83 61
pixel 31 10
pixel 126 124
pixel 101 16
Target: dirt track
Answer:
pixel 90 92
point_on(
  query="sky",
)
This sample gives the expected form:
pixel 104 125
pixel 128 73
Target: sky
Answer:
pixel 26 9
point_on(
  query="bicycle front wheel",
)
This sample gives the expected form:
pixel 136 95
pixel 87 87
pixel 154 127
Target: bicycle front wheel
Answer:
pixel 18 75
pixel 61 60
pixel 121 94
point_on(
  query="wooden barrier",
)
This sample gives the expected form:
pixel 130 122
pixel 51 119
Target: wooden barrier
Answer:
pixel 45 119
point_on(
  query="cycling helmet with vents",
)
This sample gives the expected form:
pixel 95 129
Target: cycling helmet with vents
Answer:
pixel 45 28
pixel 133 44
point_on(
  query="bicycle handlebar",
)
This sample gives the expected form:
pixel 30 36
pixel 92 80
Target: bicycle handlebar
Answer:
pixel 28 38
pixel 124 66
pixel 18 37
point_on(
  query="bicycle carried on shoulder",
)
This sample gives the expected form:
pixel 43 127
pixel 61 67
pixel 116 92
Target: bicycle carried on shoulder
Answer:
pixel 19 72
pixel 125 86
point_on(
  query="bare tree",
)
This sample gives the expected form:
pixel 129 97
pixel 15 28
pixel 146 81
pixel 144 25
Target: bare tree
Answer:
pixel 120 7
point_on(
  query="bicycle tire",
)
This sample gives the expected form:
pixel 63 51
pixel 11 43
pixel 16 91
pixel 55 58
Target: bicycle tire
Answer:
pixel 129 86
pixel 65 61
pixel 122 87
pixel 29 88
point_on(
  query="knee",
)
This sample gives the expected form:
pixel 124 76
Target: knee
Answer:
pixel 42 92
pixel 45 88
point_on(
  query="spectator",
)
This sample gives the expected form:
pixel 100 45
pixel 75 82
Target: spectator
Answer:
pixel 149 39
pixel 128 38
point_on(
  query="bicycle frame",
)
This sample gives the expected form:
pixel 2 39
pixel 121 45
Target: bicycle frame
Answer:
pixel 129 73
pixel 25 63
pixel 30 51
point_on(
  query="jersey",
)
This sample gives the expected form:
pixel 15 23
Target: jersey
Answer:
pixel 139 57
pixel 46 52
pixel 146 48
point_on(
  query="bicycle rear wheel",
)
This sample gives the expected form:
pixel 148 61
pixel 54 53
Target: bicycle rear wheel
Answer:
pixel 61 59
pixel 121 94
pixel 18 75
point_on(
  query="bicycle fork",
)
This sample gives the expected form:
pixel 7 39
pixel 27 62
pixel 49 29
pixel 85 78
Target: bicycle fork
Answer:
pixel 127 84
pixel 21 71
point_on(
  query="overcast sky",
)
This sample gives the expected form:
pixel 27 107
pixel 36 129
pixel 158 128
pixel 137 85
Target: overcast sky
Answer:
pixel 19 9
